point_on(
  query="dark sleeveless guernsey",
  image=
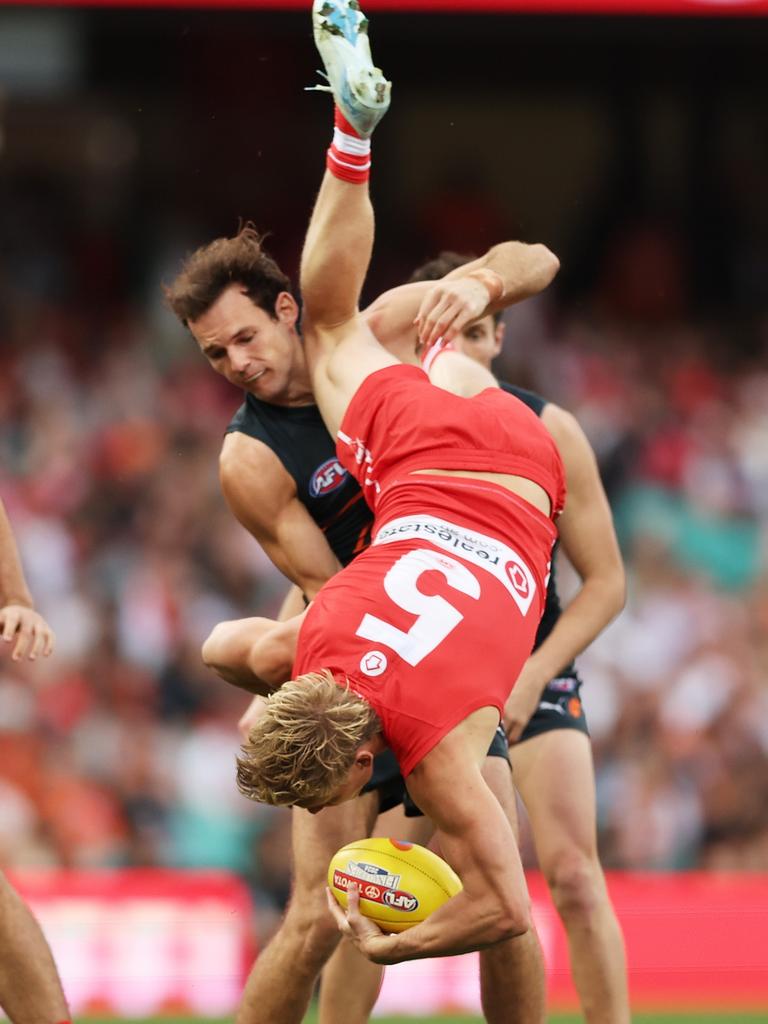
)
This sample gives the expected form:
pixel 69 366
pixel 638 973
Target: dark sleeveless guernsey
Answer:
pixel 298 437
pixel 552 608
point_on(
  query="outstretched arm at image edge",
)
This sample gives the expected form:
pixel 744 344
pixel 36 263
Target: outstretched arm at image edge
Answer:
pixel 20 624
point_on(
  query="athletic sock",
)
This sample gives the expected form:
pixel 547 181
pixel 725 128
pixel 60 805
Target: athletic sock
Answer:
pixel 349 156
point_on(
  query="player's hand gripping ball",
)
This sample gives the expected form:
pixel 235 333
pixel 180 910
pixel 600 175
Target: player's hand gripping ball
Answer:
pixel 400 884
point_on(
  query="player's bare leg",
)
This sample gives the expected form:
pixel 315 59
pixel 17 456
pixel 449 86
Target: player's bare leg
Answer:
pixel 337 251
pixel 351 983
pixel 282 981
pixel 349 987
pixel 339 239
pixel 341 349
pixel 512 982
pixel 30 990
pixel 555 778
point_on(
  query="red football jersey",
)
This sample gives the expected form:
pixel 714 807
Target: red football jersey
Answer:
pixel 398 422
pixel 436 618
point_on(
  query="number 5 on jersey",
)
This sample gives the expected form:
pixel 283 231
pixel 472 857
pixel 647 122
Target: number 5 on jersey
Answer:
pixel 436 617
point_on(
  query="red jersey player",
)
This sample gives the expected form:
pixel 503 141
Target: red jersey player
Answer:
pixel 410 645
pixel 444 579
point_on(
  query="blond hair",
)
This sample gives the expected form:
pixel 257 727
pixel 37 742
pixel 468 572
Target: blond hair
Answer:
pixel 304 742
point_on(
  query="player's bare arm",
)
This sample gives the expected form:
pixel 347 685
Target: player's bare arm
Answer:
pixel 589 540
pixel 262 495
pixel 293 604
pixel 477 840
pixel 255 654
pixel 425 311
pixel 20 624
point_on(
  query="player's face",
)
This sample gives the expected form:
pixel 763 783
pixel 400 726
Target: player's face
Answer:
pixel 357 777
pixel 255 351
pixel 481 341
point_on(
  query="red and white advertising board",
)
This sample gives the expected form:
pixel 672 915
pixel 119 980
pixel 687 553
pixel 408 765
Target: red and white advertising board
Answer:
pixel 138 943
pixel 694 941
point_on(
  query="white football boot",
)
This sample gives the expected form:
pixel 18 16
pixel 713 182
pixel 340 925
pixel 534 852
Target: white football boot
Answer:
pixel 360 90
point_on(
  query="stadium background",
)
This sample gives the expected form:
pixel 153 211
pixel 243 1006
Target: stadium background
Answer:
pixel 634 146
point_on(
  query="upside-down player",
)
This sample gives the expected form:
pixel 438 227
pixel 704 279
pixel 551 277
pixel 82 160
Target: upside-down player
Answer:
pixel 239 308
pixel 415 643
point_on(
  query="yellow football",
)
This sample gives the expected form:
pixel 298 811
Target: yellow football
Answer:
pixel 400 883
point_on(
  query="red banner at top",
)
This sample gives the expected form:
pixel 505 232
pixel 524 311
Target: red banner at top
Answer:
pixel 623 7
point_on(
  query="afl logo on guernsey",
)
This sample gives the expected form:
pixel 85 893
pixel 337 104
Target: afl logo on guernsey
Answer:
pixel 328 476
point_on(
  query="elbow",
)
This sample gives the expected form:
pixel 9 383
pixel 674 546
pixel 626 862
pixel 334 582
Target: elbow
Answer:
pixel 211 651
pixel 508 919
pixel 618 591
pixel 609 592
pixel 271 659
pixel 510 924
pixel 548 263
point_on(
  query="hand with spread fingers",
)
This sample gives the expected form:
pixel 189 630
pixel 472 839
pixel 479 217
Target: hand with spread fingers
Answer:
pixel 369 939
pixel 523 701
pixel 449 306
pixel 20 624
pixel 27 630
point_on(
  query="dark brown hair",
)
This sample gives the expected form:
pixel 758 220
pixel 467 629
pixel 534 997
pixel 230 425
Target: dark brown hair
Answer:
pixel 441 265
pixel 214 267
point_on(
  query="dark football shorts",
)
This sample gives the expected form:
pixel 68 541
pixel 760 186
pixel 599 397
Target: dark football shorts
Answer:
pixel 560 707
pixel 390 784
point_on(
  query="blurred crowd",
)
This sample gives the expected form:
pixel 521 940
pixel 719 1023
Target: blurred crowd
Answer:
pixel 120 749
pixel 676 689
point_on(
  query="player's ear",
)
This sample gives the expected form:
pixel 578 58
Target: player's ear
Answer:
pixel 498 337
pixel 286 309
pixel 364 758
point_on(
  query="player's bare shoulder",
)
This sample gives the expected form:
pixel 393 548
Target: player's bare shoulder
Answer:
pixel 252 474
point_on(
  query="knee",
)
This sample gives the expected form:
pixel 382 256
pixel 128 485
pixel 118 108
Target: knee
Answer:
pixel 211 651
pixel 577 885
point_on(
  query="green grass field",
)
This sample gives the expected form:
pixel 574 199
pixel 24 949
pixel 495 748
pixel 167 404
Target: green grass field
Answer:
pixel 662 1018
pixel 726 1017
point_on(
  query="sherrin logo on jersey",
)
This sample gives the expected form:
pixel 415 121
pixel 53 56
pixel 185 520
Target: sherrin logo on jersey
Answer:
pixel 328 477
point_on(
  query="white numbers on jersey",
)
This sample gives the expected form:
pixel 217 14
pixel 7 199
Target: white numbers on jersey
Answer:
pixel 436 616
